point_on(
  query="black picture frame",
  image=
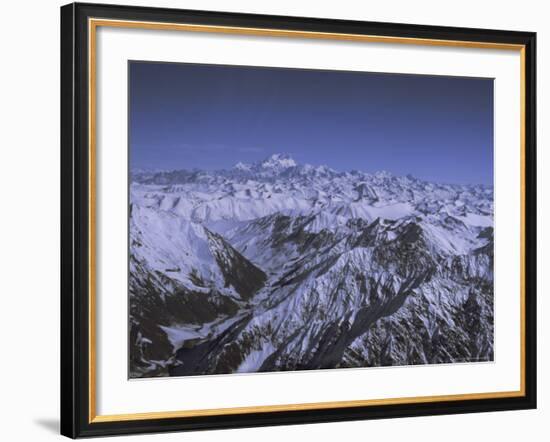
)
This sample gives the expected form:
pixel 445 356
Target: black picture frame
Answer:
pixel 75 221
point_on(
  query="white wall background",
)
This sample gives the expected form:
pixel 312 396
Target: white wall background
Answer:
pixel 29 219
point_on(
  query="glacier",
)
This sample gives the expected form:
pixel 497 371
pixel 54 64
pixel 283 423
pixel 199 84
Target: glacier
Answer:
pixel 276 266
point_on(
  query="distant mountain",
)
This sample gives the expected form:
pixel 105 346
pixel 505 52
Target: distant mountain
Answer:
pixel 281 266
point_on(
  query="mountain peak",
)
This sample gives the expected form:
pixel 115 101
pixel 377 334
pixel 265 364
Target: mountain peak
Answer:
pixel 383 174
pixel 278 161
pixel 242 166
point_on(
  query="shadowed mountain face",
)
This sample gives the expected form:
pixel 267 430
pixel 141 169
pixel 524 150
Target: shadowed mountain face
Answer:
pixel 278 266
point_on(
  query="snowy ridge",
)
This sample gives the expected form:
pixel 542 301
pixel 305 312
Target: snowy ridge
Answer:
pixel 281 266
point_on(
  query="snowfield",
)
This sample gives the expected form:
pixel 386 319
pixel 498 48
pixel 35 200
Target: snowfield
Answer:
pixel 281 266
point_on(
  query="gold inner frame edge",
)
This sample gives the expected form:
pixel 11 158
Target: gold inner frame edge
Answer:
pixel 93 24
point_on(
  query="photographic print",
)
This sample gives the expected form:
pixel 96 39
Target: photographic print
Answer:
pixel 296 219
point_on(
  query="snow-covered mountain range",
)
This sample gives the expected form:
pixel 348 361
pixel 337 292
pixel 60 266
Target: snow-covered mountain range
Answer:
pixel 281 266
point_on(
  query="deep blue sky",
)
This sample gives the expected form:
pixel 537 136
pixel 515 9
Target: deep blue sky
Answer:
pixel 185 116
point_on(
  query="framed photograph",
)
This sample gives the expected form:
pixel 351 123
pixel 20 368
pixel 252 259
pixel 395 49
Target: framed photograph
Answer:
pixel 277 220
